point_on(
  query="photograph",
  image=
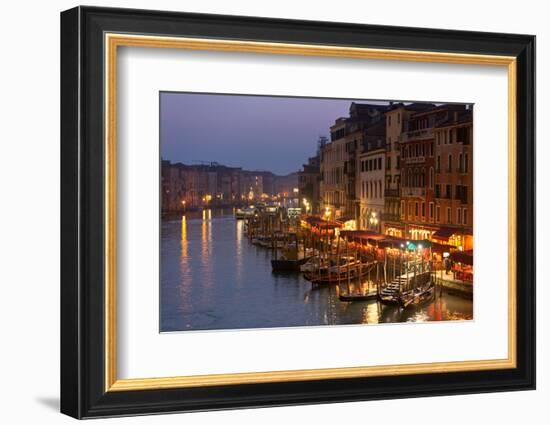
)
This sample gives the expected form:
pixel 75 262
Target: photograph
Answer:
pixel 298 211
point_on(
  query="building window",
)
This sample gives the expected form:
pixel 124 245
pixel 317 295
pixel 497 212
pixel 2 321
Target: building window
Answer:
pixel 437 213
pixel 402 209
pixel 438 164
pixel 431 177
pixel 448 191
pixel 423 210
pixel 449 163
pixel 458 215
pixel 465 216
pixel 449 219
pixel 460 163
pixel 431 210
pixel 416 209
pixel 466 163
pixel 380 163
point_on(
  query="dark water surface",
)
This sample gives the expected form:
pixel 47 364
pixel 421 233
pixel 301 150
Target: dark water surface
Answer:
pixel 212 277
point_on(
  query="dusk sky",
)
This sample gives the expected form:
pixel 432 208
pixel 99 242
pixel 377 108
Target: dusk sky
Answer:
pixel 276 134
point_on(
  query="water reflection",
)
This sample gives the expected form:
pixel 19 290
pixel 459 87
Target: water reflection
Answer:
pixel 213 278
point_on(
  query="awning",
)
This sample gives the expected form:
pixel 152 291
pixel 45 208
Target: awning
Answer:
pixel 442 248
pixel 444 233
pixel 345 218
pixel 464 257
pixel 424 243
pixel 362 235
pixel 316 221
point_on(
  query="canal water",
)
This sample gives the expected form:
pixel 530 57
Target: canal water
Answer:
pixel 212 277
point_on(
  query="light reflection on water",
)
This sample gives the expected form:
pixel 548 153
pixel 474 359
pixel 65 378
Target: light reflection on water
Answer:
pixel 213 278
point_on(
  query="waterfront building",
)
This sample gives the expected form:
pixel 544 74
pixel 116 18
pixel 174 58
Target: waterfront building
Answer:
pixel 173 187
pixel 454 179
pixel 309 179
pixel 417 173
pixel 251 186
pixel 339 159
pixel 396 118
pixel 422 197
pixel 371 172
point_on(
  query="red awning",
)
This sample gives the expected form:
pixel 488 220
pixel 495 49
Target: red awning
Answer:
pixel 392 242
pixel 316 221
pixel 444 233
pixel 442 248
pixel 464 257
pixel 362 235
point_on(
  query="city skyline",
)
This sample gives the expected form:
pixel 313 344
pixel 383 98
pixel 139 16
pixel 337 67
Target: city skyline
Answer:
pixel 224 128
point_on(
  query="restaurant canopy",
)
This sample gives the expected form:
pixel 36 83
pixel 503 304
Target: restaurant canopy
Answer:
pixel 464 257
pixel 424 243
pixel 315 221
pixel 444 233
pixel 362 235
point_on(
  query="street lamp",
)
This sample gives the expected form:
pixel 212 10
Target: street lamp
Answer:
pixel 306 204
pixel 373 220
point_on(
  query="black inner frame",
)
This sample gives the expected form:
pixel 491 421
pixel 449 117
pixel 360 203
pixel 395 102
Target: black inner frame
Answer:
pixel 82 208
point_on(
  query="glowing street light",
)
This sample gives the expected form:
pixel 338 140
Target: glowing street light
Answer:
pixel 373 220
pixel 306 204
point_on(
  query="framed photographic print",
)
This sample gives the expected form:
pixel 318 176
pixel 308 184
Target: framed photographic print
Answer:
pixel 262 212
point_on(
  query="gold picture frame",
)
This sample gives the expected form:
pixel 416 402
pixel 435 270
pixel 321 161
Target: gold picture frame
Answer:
pixel 113 41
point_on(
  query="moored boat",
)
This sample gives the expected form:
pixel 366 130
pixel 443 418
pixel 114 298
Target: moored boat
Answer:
pixel 288 265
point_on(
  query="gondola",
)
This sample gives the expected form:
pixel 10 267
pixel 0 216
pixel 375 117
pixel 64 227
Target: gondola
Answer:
pixel 417 296
pixel 284 265
pixel 367 296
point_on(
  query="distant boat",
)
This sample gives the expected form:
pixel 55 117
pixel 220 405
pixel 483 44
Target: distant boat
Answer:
pixel 242 213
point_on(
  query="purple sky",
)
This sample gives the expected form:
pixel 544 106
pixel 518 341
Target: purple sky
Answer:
pixel 254 132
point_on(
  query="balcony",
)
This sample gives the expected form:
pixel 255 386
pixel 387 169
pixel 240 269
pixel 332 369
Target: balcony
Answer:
pixel 392 193
pixel 413 191
pixel 415 160
pixel 424 133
